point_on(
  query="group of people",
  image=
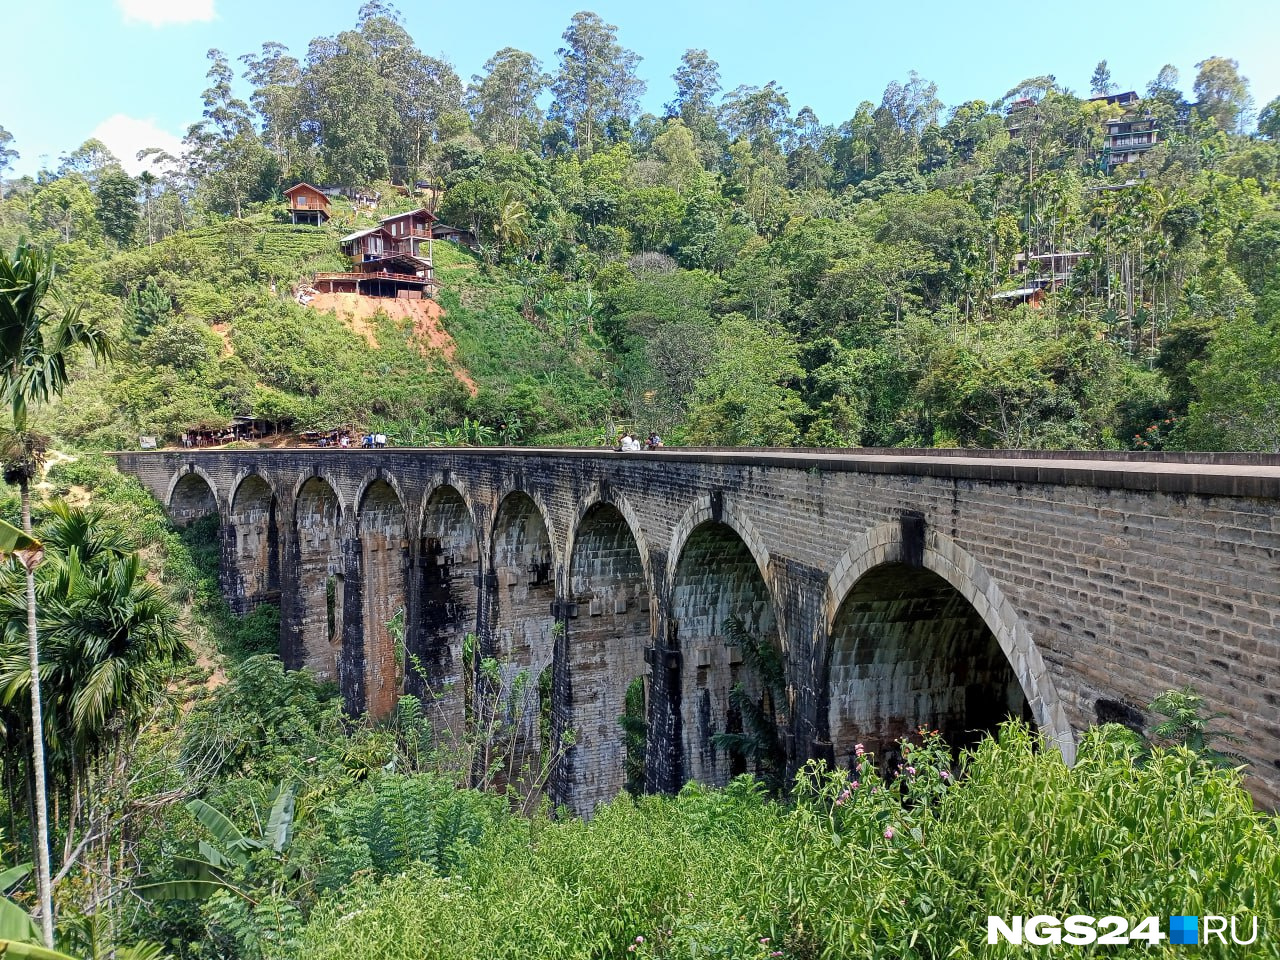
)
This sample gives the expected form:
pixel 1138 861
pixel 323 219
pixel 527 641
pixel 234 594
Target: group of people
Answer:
pixel 629 443
pixel 368 441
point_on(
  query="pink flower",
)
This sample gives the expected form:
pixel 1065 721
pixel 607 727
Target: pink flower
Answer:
pixel 631 948
pixel 857 749
pixel 853 786
pixel 888 833
pixel 764 941
pixel 911 771
pixel 945 775
pixel 639 939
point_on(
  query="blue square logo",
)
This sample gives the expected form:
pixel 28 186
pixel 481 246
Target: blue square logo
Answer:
pixel 1184 930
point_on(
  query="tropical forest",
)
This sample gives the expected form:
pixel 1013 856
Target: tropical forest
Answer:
pixel 1049 269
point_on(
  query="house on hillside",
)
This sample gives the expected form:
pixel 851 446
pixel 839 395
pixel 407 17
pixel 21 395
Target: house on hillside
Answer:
pixel 307 205
pixel 1040 274
pixel 392 259
pixel 1128 138
pixel 458 235
pixel 1126 99
pixel 410 231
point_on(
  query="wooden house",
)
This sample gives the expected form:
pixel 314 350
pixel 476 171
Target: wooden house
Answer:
pixel 307 204
pixel 387 260
pixel 410 231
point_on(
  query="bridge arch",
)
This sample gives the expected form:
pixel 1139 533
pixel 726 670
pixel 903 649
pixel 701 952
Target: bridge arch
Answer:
pixel 720 572
pixel 319 598
pixel 931 640
pixel 448 607
pixel 610 604
pixel 192 494
pixel 254 532
pixel 520 588
pixel 383 532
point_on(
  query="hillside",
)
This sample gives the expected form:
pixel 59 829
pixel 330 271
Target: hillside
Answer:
pixel 424 317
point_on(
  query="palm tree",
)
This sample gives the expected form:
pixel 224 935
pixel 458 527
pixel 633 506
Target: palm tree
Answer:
pixel 36 343
pixel 108 638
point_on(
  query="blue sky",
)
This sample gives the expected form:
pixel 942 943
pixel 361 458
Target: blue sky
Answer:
pixel 131 71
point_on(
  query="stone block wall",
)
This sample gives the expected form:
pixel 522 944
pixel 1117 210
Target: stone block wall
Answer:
pixel 1102 579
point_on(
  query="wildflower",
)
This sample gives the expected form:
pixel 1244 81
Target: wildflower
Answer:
pixel 853 786
pixel 888 833
pixel 631 948
pixel 911 771
pixel 764 941
pixel 639 939
pixel 775 953
pixel 857 749
pixel 945 775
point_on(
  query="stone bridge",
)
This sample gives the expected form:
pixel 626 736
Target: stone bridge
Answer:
pixel 891 588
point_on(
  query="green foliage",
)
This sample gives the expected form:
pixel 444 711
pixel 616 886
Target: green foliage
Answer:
pixel 1186 724
pixel 760 743
pixel 859 866
pixel 635 732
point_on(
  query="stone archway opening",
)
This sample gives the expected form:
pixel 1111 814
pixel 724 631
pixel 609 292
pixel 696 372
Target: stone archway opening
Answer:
pixel 521 586
pixel 255 539
pixel 192 499
pixel 718 592
pixel 321 587
pixel 908 650
pixel 606 636
pixel 449 559
pixel 384 569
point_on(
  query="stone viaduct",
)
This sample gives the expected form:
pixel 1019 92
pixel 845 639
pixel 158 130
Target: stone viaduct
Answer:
pixel 896 588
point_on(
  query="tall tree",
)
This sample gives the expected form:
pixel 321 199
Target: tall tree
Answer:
pixel 7 153
pixel 597 85
pixel 117 196
pixel 1222 95
pixel 1100 84
pixel 1268 121
pixel 36 342
pixel 504 99
pixel 348 108
pixel 223 148
pixel 697 82
pixel 1165 85
pixel 759 115
pixel 278 99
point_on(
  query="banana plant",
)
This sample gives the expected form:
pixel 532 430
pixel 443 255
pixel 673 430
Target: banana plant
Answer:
pixel 15 950
pixel 214 868
pixel 15 923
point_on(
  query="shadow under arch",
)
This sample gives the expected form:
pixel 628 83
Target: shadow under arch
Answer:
pixel 519 632
pixel 192 495
pixel 314 609
pixel 254 522
pixel 720 574
pixel 382 528
pixel 604 677
pixel 928 640
pixel 447 609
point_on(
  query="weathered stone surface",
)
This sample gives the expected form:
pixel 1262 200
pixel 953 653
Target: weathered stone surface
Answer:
pixel 901 586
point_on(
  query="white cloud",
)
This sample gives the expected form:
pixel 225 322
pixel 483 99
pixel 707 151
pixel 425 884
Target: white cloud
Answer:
pixel 158 13
pixel 125 136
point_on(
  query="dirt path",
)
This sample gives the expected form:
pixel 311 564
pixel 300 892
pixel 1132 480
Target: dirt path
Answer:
pixel 426 316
